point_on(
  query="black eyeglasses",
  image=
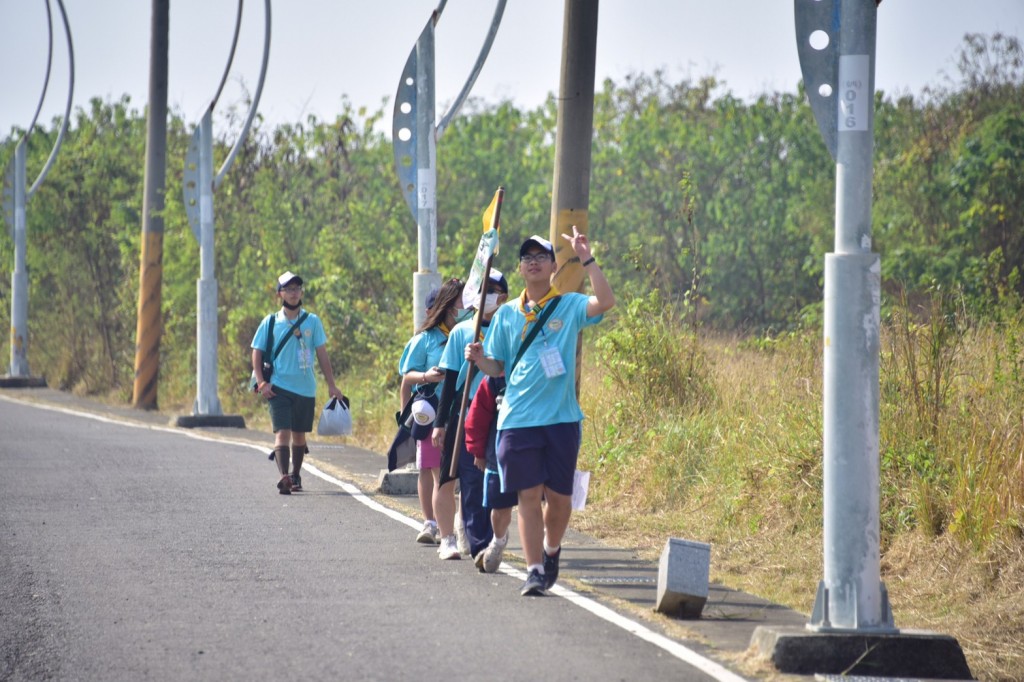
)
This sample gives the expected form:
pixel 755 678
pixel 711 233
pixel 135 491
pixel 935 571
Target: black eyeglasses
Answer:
pixel 542 257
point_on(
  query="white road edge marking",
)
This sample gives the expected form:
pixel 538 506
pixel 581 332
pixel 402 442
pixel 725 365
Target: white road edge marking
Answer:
pixel 685 654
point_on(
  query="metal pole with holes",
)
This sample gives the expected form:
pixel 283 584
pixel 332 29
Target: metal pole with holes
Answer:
pixel 414 137
pixel 198 187
pixel 851 631
pixel 16 196
pixel 837 54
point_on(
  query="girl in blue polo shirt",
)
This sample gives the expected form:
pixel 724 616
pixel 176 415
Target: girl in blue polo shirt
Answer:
pixel 419 369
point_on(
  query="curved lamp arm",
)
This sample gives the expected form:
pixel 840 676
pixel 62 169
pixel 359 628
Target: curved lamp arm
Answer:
pixel 231 55
pixel 49 62
pixel 438 10
pixel 67 107
pixel 255 101
pixel 499 10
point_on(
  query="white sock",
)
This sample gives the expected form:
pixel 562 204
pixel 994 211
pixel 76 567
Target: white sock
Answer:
pixel 500 542
pixel 550 551
pixel 535 567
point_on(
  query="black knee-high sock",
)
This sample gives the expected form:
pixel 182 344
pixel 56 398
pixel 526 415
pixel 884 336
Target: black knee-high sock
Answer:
pixel 282 457
pixel 298 451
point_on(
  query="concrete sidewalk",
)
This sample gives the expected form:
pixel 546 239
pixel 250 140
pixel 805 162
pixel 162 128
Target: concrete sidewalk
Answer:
pixel 629 583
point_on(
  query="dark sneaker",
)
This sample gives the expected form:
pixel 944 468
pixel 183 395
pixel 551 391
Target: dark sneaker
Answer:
pixel 284 486
pixel 534 585
pixel 296 483
pixel 551 569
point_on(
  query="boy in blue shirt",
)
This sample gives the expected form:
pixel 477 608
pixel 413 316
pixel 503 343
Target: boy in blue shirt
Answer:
pixel 291 390
pixel 539 419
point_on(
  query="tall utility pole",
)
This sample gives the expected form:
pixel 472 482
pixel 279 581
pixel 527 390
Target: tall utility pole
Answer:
pixel 150 322
pixel 570 202
pixel 570 187
pixel 851 630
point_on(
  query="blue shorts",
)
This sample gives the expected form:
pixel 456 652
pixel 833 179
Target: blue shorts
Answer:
pixel 537 455
pixel 493 497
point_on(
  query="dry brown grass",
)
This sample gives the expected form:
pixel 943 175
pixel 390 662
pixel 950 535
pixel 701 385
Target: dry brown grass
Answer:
pixel 937 584
pixel 753 490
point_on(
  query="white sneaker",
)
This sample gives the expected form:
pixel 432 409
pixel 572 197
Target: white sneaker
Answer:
pixel 460 535
pixel 429 534
pixel 449 548
pixel 493 553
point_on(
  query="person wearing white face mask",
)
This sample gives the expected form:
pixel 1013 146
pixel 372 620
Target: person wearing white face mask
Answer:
pixel 476 519
pixel 418 367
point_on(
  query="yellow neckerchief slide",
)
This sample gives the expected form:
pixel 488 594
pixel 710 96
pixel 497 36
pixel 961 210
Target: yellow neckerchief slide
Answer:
pixel 531 314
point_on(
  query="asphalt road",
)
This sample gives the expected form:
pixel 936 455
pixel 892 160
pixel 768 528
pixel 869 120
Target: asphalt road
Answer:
pixel 130 552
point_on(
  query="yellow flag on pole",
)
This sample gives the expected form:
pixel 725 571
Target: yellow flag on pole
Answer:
pixel 485 251
pixel 489 217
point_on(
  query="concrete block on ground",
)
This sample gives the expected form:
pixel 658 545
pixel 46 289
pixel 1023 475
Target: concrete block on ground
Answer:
pixel 398 482
pixel 683 576
pixel 913 654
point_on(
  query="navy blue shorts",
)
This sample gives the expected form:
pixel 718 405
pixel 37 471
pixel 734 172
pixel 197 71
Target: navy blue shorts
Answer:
pixel 291 411
pixel 537 455
pixel 493 497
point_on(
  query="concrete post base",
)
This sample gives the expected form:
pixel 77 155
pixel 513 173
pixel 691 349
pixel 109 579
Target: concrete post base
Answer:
pixel 909 653
pixel 22 382
pixel 398 482
pixel 198 421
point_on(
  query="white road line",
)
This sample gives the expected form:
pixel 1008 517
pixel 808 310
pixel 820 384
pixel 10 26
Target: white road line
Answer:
pixel 359 495
pixel 685 654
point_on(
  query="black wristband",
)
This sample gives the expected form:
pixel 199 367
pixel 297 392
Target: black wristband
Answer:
pixel 587 262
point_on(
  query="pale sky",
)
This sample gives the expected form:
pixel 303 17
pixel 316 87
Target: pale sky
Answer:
pixel 322 50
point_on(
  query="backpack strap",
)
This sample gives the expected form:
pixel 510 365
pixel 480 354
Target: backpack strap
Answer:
pixel 291 330
pixel 270 337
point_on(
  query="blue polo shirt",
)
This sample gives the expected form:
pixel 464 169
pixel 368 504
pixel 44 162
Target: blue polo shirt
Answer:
pixel 531 397
pixel 422 352
pixel 454 356
pixel 293 367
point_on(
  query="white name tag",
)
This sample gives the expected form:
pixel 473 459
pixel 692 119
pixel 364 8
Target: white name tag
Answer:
pixel 551 361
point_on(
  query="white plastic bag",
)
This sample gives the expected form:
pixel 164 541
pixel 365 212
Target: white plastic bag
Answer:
pixel 580 486
pixel 335 419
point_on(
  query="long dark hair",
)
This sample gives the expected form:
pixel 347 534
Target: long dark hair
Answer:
pixel 449 296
